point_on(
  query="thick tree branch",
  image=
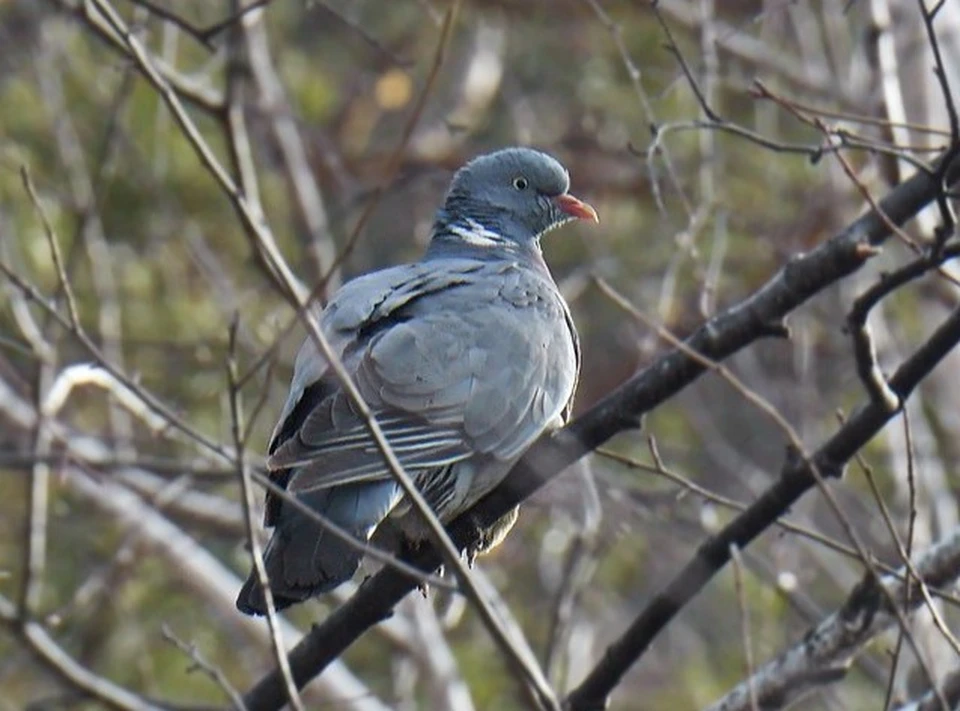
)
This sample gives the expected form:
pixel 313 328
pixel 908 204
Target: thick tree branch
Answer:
pixel 756 317
pixel 796 478
pixel 825 652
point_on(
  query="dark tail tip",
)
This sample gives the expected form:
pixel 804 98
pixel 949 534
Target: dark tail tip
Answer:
pixel 250 600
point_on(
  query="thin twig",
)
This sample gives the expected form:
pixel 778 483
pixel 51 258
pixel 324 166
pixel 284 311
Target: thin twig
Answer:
pixel 198 661
pixel 907 564
pixel 197 93
pixel 396 158
pixel 54 245
pixel 217 28
pixel 686 484
pixel 634 74
pixel 36 522
pixel 868 369
pixel 46 649
pixel 150 401
pixel 736 561
pixel 262 240
pixel 203 35
pixel 947 215
pixel 320 247
pixel 246 499
pixel 578 567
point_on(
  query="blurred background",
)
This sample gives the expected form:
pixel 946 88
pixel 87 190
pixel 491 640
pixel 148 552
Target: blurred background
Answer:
pixel 356 114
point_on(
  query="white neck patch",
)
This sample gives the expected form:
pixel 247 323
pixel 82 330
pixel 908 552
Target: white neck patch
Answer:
pixel 477 235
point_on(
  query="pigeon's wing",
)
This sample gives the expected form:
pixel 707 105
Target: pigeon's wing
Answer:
pixel 358 311
pixel 482 365
pixel 360 308
pixel 319 432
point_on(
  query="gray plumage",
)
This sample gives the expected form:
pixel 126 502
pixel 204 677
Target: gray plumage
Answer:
pixel 465 357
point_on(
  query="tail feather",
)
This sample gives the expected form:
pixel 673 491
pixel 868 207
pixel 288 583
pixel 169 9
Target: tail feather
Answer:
pixel 303 559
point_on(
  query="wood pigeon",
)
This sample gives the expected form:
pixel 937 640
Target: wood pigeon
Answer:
pixel 465 357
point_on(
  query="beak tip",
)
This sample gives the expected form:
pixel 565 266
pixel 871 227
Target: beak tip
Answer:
pixel 575 207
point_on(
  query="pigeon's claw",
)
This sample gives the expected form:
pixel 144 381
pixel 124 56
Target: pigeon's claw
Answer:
pixel 470 555
pixel 424 587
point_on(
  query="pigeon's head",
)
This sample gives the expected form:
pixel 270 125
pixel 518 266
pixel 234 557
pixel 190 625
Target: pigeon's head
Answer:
pixel 509 198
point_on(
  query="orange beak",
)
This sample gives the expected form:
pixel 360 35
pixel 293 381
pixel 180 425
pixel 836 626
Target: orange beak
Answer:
pixel 575 207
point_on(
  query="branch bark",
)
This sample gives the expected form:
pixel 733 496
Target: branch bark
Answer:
pixel 826 652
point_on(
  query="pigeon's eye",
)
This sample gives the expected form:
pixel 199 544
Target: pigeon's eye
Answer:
pixel 520 183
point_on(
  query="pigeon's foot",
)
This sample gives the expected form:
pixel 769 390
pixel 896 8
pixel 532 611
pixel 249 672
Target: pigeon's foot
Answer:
pixel 424 587
pixel 406 549
pixel 490 537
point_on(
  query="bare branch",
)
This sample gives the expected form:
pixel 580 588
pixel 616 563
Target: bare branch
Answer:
pixel 788 525
pixel 262 241
pixel 247 501
pixel 195 566
pixel 745 633
pixel 634 74
pixel 795 449
pixel 825 653
pixel 796 477
pixel 197 93
pixel 199 662
pixel 867 367
pixel 53 656
pixel 320 247
pixel 54 247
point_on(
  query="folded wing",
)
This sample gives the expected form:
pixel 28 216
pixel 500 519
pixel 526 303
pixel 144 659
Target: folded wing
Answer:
pixel 446 381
